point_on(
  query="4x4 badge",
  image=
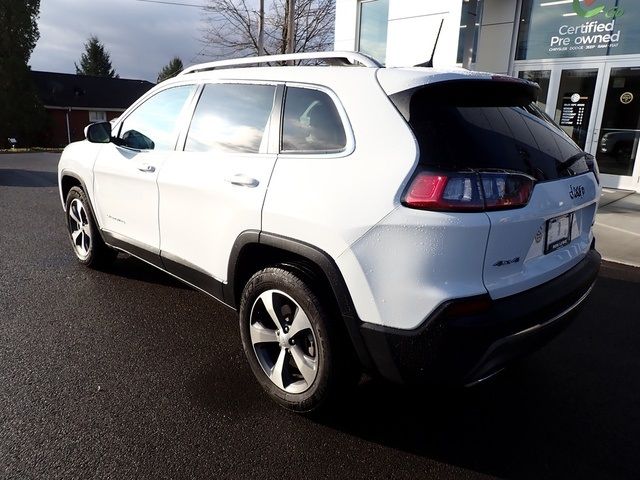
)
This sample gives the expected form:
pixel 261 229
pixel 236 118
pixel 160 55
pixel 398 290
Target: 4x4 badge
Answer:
pixel 503 263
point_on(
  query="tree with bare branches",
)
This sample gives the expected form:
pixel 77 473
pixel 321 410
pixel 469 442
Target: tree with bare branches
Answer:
pixel 233 26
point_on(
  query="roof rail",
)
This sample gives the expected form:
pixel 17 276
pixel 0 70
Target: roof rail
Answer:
pixel 332 58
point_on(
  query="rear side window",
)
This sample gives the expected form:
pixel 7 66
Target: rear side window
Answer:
pixel 231 118
pixel 488 125
pixel 311 123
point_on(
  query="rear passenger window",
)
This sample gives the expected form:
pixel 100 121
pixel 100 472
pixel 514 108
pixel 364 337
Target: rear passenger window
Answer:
pixel 311 122
pixel 231 118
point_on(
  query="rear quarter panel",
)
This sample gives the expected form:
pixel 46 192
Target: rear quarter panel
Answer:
pixel 331 200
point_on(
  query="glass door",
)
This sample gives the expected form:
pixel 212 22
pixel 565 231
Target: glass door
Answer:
pixel 575 102
pixel 615 142
pixel 569 93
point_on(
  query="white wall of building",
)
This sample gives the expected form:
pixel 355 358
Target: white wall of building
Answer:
pixel 413 26
pixel 346 25
pixel 412 30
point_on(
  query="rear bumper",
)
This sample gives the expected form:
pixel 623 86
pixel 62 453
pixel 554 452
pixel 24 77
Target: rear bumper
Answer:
pixel 467 349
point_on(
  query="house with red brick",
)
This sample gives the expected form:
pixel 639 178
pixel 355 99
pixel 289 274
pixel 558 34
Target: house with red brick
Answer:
pixel 74 101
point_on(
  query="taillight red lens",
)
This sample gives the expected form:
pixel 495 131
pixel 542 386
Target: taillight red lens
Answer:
pixel 444 192
pixel 468 191
pixel 425 190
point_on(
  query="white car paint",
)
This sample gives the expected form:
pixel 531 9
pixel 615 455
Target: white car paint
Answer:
pixel 399 264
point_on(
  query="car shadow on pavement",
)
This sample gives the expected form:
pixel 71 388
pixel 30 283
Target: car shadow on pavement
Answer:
pixel 569 411
pixel 27 178
pixel 130 267
pixel 505 428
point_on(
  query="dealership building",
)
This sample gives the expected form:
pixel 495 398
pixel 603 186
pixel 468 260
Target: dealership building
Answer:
pixel 584 54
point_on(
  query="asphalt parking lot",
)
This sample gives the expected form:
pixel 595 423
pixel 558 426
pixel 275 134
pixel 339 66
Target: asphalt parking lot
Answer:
pixel 126 373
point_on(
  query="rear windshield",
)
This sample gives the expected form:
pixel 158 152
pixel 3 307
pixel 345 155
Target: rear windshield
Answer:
pixel 488 125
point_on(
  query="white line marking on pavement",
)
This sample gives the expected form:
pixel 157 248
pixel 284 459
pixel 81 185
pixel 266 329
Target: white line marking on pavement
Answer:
pixel 618 229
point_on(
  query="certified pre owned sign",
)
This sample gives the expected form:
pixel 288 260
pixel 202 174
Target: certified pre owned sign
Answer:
pixel 592 34
pixel 598 33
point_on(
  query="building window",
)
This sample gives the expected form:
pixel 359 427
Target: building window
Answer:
pixel 372 32
pixel 563 29
pixel 471 15
pixel 97 117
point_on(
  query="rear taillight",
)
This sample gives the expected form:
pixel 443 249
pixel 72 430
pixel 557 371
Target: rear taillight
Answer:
pixel 435 191
pixel 593 167
pixel 506 190
pixel 468 191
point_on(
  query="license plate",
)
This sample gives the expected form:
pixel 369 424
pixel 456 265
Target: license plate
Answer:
pixel 558 232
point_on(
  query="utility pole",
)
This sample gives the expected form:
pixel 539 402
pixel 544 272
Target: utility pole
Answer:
pixel 261 29
pixel 291 25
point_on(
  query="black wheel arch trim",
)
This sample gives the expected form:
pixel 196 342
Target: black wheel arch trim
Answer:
pixel 320 259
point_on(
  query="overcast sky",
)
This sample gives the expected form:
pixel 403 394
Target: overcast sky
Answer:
pixel 141 37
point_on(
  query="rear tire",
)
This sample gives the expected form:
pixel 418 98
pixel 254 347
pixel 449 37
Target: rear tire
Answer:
pixel 291 342
pixel 83 231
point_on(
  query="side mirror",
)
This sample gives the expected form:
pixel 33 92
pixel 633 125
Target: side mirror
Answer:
pixel 98 132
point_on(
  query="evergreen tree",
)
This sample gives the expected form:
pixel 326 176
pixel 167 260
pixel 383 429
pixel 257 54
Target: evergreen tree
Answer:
pixel 173 68
pixel 95 60
pixel 21 114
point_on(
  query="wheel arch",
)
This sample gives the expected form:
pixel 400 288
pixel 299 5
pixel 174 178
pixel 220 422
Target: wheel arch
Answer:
pixel 68 180
pixel 254 250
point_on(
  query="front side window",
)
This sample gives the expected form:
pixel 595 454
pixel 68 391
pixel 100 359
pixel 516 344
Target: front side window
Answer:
pixel 311 122
pixel 153 125
pixel 372 34
pixel 231 118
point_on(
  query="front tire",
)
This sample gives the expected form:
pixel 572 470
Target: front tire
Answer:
pixel 290 341
pixel 85 239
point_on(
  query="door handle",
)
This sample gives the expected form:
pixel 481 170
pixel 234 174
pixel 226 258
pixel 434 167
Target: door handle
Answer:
pixel 147 168
pixel 243 181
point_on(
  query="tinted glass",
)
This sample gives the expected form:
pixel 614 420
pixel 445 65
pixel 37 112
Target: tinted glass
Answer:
pixel 153 125
pixel 372 37
pixel 487 126
pixel 311 122
pixel 231 118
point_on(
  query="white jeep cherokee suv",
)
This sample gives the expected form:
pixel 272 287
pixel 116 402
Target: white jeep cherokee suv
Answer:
pixel 425 225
